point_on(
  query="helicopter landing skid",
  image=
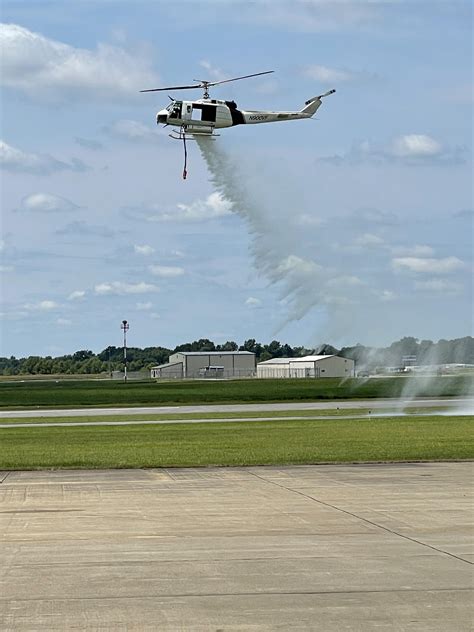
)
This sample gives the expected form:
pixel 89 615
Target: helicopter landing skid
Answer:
pixel 182 134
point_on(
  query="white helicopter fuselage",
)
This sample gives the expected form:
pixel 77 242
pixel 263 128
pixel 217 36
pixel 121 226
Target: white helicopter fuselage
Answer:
pixel 204 116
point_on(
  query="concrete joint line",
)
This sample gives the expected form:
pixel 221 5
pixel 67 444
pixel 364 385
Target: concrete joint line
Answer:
pixel 379 526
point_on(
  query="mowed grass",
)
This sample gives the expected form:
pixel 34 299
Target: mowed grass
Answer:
pixel 101 393
pixel 225 444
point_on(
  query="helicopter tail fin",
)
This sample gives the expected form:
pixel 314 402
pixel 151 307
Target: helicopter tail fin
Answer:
pixel 313 104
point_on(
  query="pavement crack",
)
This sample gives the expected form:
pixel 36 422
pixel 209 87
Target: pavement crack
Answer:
pixel 366 520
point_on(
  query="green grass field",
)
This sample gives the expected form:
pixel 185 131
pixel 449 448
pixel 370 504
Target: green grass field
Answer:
pixel 101 393
pixel 245 443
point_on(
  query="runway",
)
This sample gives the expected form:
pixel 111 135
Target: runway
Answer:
pixel 335 547
pixel 390 405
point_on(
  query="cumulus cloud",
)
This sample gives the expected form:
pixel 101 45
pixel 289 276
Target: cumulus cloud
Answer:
pixel 46 203
pixel 13 159
pixel 214 206
pixel 409 149
pixel 415 145
pixel 420 265
pixel 45 68
pixel 121 288
pixel 145 250
pixel 166 271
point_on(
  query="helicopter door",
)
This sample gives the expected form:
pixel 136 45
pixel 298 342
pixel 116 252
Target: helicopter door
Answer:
pixel 203 112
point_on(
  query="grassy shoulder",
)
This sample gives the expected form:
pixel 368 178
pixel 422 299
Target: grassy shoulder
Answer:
pixel 100 393
pixel 254 443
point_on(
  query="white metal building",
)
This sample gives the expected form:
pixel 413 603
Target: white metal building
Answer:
pixel 307 366
pixel 203 364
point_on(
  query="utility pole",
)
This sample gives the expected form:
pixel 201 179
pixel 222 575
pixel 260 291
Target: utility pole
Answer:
pixel 125 326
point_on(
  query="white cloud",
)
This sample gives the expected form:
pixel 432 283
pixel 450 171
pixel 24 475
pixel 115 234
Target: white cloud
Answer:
pixel 130 130
pixel 5 269
pixel 415 145
pixel 45 68
pixel 253 302
pixel 145 249
pixel 120 288
pixel 46 203
pixel 144 306
pixel 13 159
pixel 324 74
pixel 438 286
pixel 368 239
pixel 409 149
pixel 166 271
pixel 214 206
pixel 64 322
pixel 76 295
pixel 387 295
pixel 41 306
pixel 212 71
pixel 427 265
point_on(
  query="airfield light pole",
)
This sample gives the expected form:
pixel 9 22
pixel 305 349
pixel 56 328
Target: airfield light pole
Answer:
pixel 125 326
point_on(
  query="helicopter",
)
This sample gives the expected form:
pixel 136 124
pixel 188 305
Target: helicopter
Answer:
pixel 203 116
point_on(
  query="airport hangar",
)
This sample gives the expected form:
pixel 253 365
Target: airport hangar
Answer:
pixel 307 366
pixel 221 364
pixel 201 364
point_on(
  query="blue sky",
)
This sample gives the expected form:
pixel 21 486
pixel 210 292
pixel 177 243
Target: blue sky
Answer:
pixel 356 227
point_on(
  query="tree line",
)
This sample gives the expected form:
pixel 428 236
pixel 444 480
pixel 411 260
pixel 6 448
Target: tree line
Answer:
pixel 459 350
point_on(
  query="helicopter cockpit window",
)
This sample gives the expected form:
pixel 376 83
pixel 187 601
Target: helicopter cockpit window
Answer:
pixel 175 111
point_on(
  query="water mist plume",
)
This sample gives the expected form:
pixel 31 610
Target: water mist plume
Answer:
pixel 303 282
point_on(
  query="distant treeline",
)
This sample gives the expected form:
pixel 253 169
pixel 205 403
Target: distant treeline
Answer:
pixel 460 350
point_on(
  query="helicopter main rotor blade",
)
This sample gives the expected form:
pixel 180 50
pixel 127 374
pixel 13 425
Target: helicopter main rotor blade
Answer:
pixel 257 74
pixel 207 84
pixel 172 88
